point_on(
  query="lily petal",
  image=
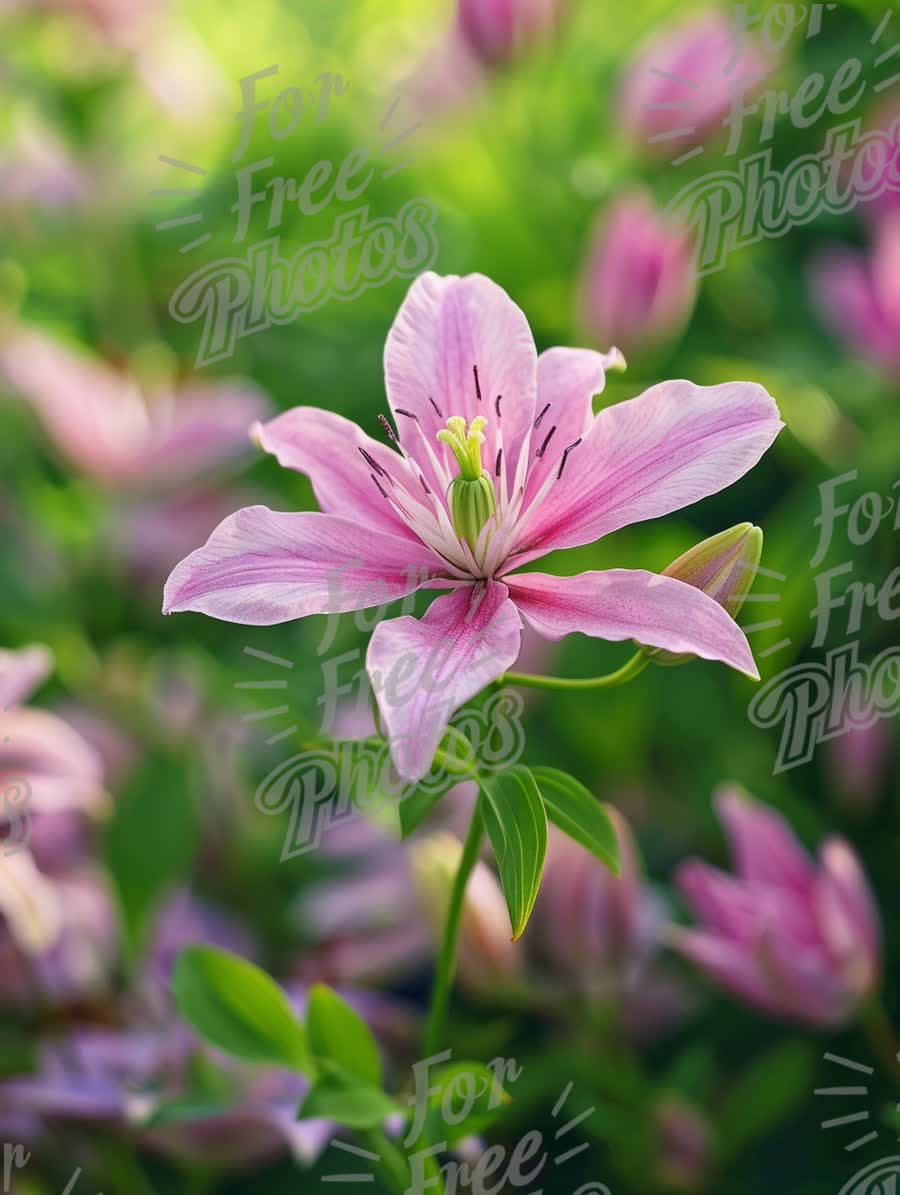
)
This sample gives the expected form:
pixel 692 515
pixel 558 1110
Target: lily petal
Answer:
pixel 423 670
pixel 21 672
pixel 670 447
pixel 262 567
pixel 765 849
pixel 632 604
pixel 329 449
pixel 61 769
pixel 445 327
pixel 567 380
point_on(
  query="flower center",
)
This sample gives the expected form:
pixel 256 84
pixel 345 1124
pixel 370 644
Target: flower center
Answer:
pixel 471 494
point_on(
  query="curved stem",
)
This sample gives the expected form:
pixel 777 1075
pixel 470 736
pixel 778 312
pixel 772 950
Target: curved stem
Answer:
pixel 446 964
pixel 627 672
pixel 879 1032
pixel 391 1161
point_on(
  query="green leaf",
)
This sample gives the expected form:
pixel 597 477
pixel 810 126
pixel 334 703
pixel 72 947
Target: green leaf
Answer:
pixel 578 813
pixel 238 1008
pixel 516 825
pixel 339 1038
pixel 765 1095
pixel 465 1098
pixel 150 840
pixel 338 1096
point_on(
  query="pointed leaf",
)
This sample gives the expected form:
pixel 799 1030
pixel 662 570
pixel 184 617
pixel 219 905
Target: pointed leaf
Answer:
pixel 338 1096
pixel 516 825
pixel 576 811
pixel 238 1008
pixel 340 1039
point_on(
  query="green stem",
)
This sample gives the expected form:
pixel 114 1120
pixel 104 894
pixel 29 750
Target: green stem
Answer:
pixel 879 1032
pixel 627 672
pixel 390 1160
pixel 446 964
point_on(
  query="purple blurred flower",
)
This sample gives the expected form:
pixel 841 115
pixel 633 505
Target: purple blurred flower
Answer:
pixel 858 295
pixel 498 30
pixel 678 89
pixel 794 938
pixel 37 169
pixel 638 282
pixel 601 933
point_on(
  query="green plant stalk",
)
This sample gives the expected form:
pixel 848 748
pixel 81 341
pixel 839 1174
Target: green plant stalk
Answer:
pixel 621 676
pixel 446 964
pixel 390 1160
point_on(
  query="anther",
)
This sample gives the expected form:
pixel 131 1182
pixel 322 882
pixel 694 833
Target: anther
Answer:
pixel 440 413
pixel 565 457
pixel 384 492
pixel 543 448
pixel 497 404
pixel 387 427
pixel 408 414
pixel 537 422
pixel 372 463
pixel 499 459
pixel 477 387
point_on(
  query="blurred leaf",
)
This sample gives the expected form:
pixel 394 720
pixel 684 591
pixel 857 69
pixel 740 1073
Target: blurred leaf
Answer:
pixel 338 1096
pixel 238 1007
pixel 339 1038
pixel 465 1098
pixel 578 813
pixel 766 1093
pixel 516 825
pixel 150 841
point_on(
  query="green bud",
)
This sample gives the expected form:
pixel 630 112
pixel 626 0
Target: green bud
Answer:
pixel 724 567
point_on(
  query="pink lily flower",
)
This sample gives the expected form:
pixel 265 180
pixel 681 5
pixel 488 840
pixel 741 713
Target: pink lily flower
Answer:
pixel 792 938
pixel 498 460
pixel 496 30
pixel 858 295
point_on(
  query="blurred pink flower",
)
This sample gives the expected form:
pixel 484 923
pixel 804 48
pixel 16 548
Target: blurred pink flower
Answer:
pixel 678 89
pixel 462 375
pixel 498 30
pixel 685 1147
pixel 638 281
pixel 794 938
pixel 859 762
pixel 858 295
pixel 112 432
pixel 601 933
pixel 38 750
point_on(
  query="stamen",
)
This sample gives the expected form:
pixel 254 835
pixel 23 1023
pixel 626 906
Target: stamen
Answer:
pixel 497 404
pixel 384 492
pixel 387 427
pixel 565 457
pixel 440 413
pixel 543 448
pixel 424 484
pixel 537 422
pixel 372 463
pixel 499 459
pixel 408 414
pixel 477 387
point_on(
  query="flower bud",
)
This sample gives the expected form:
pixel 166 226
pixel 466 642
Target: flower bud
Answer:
pixel 497 30
pixel 724 567
pixel 488 958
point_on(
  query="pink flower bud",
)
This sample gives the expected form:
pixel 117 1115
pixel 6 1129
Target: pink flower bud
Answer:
pixel 488 958
pixel 724 567
pixel 680 87
pixel 684 1144
pixel 793 937
pixel 638 283
pixel 497 30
